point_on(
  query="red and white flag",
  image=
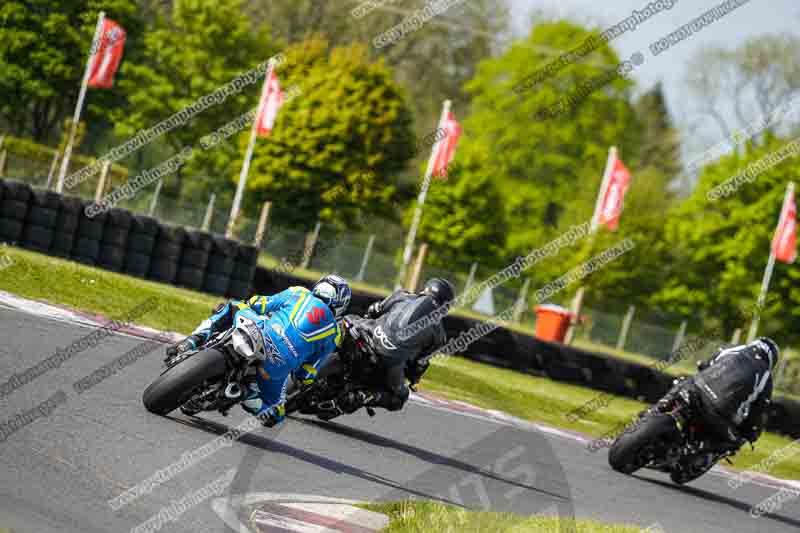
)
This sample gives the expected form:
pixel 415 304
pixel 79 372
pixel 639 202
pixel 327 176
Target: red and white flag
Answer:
pixel 271 101
pixel 785 238
pixel 108 54
pixel 446 147
pixel 614 195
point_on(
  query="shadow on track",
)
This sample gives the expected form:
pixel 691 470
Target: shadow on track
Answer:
pixel 266 444
pixel 710 496
pixel 424 455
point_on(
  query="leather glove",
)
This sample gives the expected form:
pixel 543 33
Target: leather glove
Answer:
pixel 189 343
pixel 373 310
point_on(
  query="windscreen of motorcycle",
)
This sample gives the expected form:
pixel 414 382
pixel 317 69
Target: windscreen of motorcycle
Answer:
pixel 248 339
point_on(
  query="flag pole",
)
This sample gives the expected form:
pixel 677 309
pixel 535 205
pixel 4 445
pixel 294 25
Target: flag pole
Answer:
pixel 426 182
pixel 79 106
pixel 762 296
pixel 577 302
pixel 237 199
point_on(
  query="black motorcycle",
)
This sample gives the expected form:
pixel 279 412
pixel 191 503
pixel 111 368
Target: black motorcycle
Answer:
pixel 215 376
pixel 354 367
pixel 668 438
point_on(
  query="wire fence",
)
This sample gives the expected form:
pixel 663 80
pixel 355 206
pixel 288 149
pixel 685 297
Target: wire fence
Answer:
pixel 372 261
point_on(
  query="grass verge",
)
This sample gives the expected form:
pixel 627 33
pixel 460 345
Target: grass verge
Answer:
pixel 424 517
pixel 40 277
pixel 95 290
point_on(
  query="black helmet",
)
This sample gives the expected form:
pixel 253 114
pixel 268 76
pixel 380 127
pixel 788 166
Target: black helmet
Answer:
pixel 770 347
pixel 440 290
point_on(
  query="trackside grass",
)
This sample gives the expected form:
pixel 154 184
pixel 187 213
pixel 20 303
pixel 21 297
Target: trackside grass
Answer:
pixel 40 277
pixel 424 517
pixel 95 290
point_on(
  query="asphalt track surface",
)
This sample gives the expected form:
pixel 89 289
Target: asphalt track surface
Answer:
pixel 58 473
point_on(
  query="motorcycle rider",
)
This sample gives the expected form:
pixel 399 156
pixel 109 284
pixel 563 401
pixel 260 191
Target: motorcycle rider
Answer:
pixel 733 391
pixel 399 359
pixel 300 329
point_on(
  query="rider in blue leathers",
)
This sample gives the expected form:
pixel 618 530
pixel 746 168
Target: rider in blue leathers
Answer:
pixel 300 329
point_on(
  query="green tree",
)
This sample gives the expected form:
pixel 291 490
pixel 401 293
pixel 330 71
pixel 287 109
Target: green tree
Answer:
pixel 721 247
pixel 201 47
pixel 639 274
pixel 660 146
pixel 336 148
pixel 433 62
pixel 547 169
pixel 463 219
pixel 43 50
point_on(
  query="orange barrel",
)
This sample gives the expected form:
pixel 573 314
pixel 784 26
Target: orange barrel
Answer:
pixel 552 322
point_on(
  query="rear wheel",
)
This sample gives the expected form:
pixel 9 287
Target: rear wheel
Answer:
pixel 634 449
pixel 175 386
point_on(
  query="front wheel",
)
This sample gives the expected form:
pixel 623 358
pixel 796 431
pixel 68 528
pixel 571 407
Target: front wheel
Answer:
pixel 175 386
pixel 633 449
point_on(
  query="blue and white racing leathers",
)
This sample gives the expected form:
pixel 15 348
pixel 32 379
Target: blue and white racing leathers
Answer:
pixel 299 329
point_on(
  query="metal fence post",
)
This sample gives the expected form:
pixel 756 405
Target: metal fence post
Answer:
pixel 101 183
pixel 679 337
pixel 53 167
pixel 362 271
pixel 414 281
pixel 311 241
pixel 154 202
pixel 522 300
pixel 209 212
pixel 262 224
pixel 626 324
pixel 471 278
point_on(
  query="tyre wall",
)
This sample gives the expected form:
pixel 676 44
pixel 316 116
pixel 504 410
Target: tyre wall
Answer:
pixel 121 241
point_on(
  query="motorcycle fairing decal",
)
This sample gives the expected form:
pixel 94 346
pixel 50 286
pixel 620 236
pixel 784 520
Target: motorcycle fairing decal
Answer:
pixel 273 353
pixel 264 373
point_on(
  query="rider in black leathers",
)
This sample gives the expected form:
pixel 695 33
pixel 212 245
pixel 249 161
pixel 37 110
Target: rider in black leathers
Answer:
pixel 399 359
pixel 733 390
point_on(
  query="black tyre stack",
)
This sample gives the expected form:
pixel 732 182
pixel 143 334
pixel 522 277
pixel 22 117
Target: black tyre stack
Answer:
pixel 243 272
pixel 167 253
pixel 14 211
pixel 119 241
pixel 114 244
pixel 40 224
pixel 66 230
pixel 141 243
pixel 89 236
pixel 194 260
pixel 221 262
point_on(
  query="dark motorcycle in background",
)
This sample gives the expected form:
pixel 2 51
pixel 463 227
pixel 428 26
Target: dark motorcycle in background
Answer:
pixel 669 439
pixel 215 376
